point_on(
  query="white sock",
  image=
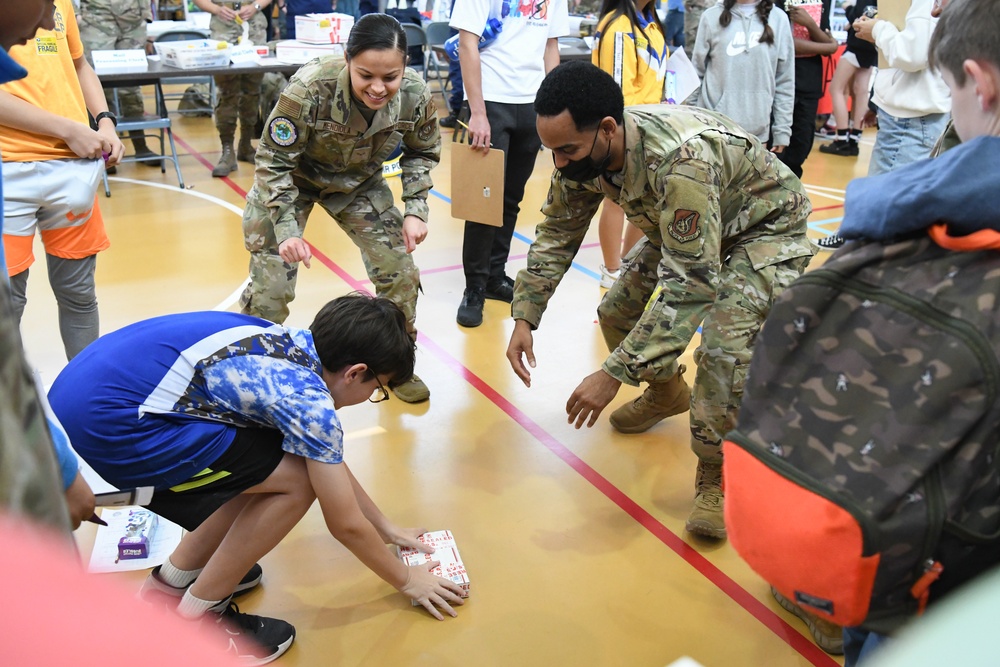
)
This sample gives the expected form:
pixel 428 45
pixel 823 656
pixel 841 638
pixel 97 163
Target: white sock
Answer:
pixel 192 607
pixel 175 577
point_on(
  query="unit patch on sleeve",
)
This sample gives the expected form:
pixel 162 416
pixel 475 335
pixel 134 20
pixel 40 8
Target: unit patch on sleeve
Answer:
pixel 282 132
pixel 685 226
pixel 426 131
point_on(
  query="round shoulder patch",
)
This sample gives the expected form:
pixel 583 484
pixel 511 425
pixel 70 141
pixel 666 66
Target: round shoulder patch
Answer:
pixel 282 131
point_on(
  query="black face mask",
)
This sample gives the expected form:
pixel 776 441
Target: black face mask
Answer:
pixel 586 169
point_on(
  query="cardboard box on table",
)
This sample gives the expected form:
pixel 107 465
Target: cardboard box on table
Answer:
pixel 294 52
pixel 193 53
pixel 323 28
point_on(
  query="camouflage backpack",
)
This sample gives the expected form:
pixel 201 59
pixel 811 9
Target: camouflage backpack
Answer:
pixel 862 476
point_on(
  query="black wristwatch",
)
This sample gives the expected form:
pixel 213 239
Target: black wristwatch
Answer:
pixel 106 114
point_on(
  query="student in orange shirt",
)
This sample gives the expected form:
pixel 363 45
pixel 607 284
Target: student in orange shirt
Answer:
pixel 51 167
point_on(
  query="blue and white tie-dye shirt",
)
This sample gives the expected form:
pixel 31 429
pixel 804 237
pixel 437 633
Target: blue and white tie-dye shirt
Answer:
pixel 162 398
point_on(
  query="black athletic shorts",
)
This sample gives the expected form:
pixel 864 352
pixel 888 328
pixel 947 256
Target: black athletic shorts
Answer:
pixel 252 457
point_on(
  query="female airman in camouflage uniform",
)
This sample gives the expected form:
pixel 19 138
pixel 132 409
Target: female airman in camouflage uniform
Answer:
pixel 325 141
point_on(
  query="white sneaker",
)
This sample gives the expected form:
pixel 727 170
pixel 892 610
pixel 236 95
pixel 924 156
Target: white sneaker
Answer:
pixel 608 278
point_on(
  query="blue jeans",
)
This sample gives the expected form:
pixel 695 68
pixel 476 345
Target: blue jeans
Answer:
pixel 901 141
pixel 859 645
pixel 675 29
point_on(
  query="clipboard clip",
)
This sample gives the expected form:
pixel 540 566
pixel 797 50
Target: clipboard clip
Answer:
pixel 462 135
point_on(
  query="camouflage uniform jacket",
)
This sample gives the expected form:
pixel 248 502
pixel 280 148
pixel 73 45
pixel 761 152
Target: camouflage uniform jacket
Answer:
pixel 696 185
pixel 130 13
pixel 317 141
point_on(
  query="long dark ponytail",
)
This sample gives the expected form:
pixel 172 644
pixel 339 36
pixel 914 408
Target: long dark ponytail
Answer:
pixel 763 13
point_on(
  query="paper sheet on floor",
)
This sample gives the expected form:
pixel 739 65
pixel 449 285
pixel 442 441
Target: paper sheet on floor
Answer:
pixel 105 554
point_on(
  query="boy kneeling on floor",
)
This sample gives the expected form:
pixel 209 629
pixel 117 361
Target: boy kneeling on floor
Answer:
pixel 234 420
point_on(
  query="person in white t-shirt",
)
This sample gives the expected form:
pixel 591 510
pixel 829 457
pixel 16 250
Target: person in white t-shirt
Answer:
pixel 500 84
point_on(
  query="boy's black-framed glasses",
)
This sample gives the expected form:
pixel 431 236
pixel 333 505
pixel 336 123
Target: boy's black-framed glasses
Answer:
pixel 380 394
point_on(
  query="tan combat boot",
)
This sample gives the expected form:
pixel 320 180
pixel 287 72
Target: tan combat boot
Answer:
pixel 659 401
pixel 706 517
pixel 412 391
pixel 828 635
pixel 142 151
pixel 227 162
pixel 245 152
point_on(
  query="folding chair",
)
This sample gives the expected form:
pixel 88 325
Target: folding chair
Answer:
pixel 415 36
pixel 438 33
pixel 156 126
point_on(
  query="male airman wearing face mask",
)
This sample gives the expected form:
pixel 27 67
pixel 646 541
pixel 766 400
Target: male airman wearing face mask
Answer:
pixel 725 226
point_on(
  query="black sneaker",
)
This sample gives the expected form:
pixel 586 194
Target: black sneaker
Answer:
pixel 502 290
pixel 253 640
pixel 831 242
pixel 844 147
pixel 451 120
pixel 470 313
pixel 827 132
pixel 155 587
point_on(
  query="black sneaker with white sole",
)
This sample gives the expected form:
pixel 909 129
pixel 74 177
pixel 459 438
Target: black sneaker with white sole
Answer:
pixel 252 640
pixel 831 242
pixel 155 587
pixel 827 132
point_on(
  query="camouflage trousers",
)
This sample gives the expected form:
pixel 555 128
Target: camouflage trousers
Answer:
pixel 30 483
pixel 115 25
pixel 693 9
pixel 743 299
pixel 270 90
pixel 237 96
pixel 370 220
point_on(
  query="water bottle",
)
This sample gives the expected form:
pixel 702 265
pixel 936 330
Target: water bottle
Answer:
pixel 490 33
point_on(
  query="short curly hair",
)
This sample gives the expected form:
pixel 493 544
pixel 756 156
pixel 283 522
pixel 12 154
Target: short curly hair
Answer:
pixel 586 91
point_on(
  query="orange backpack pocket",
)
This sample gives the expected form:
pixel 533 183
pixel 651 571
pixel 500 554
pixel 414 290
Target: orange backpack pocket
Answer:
pixel 808 547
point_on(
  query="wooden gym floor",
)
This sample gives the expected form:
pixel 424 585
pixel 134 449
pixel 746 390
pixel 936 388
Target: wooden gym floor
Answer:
pixel 574 540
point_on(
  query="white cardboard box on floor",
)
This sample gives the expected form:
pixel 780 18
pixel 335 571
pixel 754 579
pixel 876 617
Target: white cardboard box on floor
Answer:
pixel 446 551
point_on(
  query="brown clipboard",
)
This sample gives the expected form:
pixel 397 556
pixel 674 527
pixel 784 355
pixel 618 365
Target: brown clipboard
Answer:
pixel 477 184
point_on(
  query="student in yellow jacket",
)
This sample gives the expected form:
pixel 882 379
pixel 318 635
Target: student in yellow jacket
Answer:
pixel 629 44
